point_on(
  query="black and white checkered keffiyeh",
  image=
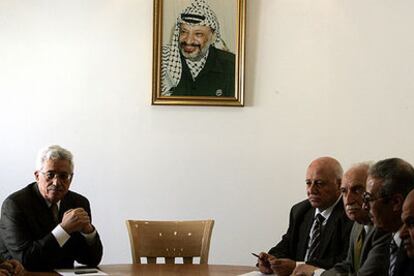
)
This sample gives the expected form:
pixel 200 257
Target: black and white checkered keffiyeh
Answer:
pixel 196 66
pixel 198 13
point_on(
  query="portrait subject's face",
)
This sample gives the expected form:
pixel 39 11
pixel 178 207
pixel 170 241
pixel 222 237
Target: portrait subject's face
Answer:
pixel 194 41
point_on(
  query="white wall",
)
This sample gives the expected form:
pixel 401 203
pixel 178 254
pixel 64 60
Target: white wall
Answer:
pixel 323 77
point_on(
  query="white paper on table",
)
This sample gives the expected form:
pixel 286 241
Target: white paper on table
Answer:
pixel 85 272
pixel 253 273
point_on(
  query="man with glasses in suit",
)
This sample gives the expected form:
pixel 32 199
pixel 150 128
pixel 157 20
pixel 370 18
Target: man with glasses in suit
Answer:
pixel 389 182
pixel 45 225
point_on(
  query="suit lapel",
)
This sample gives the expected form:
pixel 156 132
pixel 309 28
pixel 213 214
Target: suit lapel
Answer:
pixel 367 245
pixel 329 229
pixel 43 213
pixel 402 259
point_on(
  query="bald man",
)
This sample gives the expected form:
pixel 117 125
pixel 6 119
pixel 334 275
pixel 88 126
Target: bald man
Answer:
pixel 368 246
pixel 319 229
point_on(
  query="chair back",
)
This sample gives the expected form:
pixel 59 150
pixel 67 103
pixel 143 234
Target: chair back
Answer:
pixel 170 239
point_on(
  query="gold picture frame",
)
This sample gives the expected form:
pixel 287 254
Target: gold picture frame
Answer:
pixel 207 88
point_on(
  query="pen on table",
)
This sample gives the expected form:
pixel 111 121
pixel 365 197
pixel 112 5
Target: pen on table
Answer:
pixel 85 271
pixel 256 255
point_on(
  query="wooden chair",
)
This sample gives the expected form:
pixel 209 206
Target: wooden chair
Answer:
pixel 170 239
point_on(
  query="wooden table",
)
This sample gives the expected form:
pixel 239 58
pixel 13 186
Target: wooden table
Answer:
pixel 167 270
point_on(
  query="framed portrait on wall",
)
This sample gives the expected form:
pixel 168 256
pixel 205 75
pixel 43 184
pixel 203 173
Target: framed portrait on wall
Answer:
pixel 198 52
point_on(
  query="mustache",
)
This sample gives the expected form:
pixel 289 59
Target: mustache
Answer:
pixel 183 44
pixel 55 188
pixel 353 207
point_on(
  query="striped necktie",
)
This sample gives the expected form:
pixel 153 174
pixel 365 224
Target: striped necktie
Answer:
pixel 358 249
pixel 316 237
pixel 393 257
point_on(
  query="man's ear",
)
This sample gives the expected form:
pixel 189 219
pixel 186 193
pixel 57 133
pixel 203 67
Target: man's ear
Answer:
pixel 213 37
pixel 339 182
pixel 36 174
pixel 397 202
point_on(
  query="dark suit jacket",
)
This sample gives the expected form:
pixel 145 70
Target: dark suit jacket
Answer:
pixel 215 79
pixel 25 232
pixel 374 255
pixel 406 268
pixel 334 236
pixel 404 265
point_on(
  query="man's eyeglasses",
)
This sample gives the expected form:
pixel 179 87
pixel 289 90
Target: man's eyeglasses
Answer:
pixel 367 197
pixel 64 177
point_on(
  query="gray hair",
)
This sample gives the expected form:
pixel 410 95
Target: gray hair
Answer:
pixel 361 167
pixel 397 176
pixel 53 152
pixel 365 165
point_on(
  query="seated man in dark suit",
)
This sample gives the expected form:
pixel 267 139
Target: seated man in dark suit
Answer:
pixel 368 246
pixel 407 233
pixel 389 182
pixel 318 230
pixel 46 226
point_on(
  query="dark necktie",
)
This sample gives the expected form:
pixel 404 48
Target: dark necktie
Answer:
pixel 316 237
pixel 55 212
pixel 358 249
pixel 393 257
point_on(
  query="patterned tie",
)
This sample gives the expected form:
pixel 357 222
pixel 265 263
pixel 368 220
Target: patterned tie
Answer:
pixel 55 212
pixel 358 249
pixel 393 257
pixel 316 237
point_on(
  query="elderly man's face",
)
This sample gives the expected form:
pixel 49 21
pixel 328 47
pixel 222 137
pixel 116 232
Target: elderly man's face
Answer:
pixel 407 230
pixel 322 186
pixel 352 189
pixel 194 41
pixel 54 179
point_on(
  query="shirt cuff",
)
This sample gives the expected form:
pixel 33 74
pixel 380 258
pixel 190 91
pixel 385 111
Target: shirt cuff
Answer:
pixel 318 272
pixel 90 238
pixel 299 263
pixel 60 235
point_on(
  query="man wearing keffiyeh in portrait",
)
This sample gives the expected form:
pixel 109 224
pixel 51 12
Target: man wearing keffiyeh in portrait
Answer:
pixel 197 62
